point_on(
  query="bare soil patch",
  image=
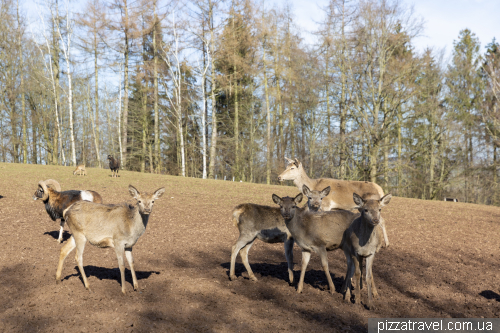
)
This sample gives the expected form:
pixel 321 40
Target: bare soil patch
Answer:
pixel 443 262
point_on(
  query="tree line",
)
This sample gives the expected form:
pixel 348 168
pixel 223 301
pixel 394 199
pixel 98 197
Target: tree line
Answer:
pixel 228 89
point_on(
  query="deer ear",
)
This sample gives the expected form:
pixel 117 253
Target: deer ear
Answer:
pixel 325 191
pixel 306 190
pixel 277 200
pixel 358 200
pixel 298 198
pixel 133 191
pixel 159 192
pixel 297 163
pixel 385 200
pixel 289 161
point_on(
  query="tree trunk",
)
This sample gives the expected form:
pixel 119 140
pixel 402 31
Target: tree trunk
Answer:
pixel 236 174
pixel 342 106
pixel 268 120
pixel 126 54
pixel 120 115
pixel 96 97
pixel 70 110
pixel 373 161
pixel 386 164
pixel 495 176
pixel 213 143
pixel 21 87
pixel 94 132
pixel 155 74
pixel 280 142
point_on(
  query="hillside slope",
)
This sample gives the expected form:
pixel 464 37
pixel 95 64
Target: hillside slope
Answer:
pixel 443 262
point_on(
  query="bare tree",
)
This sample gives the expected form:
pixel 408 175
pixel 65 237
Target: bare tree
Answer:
pixel 67 55
pixel 171 56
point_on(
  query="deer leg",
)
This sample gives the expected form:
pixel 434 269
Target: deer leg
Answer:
pixel 65 250
pixel 382 224
pixel 119 254
pixel 369 281
pixel 361 272
pixel 357 278
pixel 244 259
pixel 61 230
pixel 130 259
pixel 324 263
pixel 348 274
pixel 374 289
pixel 305 261
pixel 240 243
pixel 289 257
pixel 80 241
pixel 348 279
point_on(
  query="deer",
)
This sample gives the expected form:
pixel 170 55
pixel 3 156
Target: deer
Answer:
pixel 362 240
pixel 267 224
pixel 314 232
pixel 116 226
pixel 340 196
pixel 80 169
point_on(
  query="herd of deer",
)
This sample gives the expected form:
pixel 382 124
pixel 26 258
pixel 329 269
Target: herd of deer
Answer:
pixel 324 224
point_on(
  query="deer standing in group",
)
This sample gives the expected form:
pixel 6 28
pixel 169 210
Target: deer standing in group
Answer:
pixel 362 240
pixel 314 231
pixel 340 196
pixel 117 226
pixel 267 224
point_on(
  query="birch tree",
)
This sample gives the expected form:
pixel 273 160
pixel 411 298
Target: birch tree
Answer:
pixel 53 73
pixel 67 55
pixel 170 55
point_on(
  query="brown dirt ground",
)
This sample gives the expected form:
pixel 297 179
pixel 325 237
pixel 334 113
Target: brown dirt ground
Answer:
pixel 443 262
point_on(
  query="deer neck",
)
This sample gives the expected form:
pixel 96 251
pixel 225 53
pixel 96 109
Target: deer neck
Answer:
pixel 303 179
pixel 140 220
pixel 145 219
pixel 366 232
pixel 292 223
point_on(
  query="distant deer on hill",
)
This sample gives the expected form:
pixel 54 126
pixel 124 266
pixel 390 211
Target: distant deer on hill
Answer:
pixel 80 169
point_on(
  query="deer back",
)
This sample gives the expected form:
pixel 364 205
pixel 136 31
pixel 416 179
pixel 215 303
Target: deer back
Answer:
pixel 340 196
pixel 100 222
pixel 325 228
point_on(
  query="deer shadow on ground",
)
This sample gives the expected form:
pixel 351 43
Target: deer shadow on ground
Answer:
pixel 55 234
pixel 103 273
pixel 279 271
pixel 1 197
pixel 490 294
pixel 314 278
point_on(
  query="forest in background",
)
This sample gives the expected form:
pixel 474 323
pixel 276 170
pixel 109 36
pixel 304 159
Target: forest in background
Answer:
pixel 228 89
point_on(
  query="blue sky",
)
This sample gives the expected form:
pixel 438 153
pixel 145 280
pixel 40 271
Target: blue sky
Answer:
pixel 443 19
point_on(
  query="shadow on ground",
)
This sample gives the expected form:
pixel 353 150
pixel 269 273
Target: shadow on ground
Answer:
pixel 55 234
pixel 490 294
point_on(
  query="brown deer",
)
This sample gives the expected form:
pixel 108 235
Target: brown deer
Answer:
pixel 265 223
pixel 117 226
pixel 362 240
pixel 80 169
pixel 318 232
pixel 340 195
